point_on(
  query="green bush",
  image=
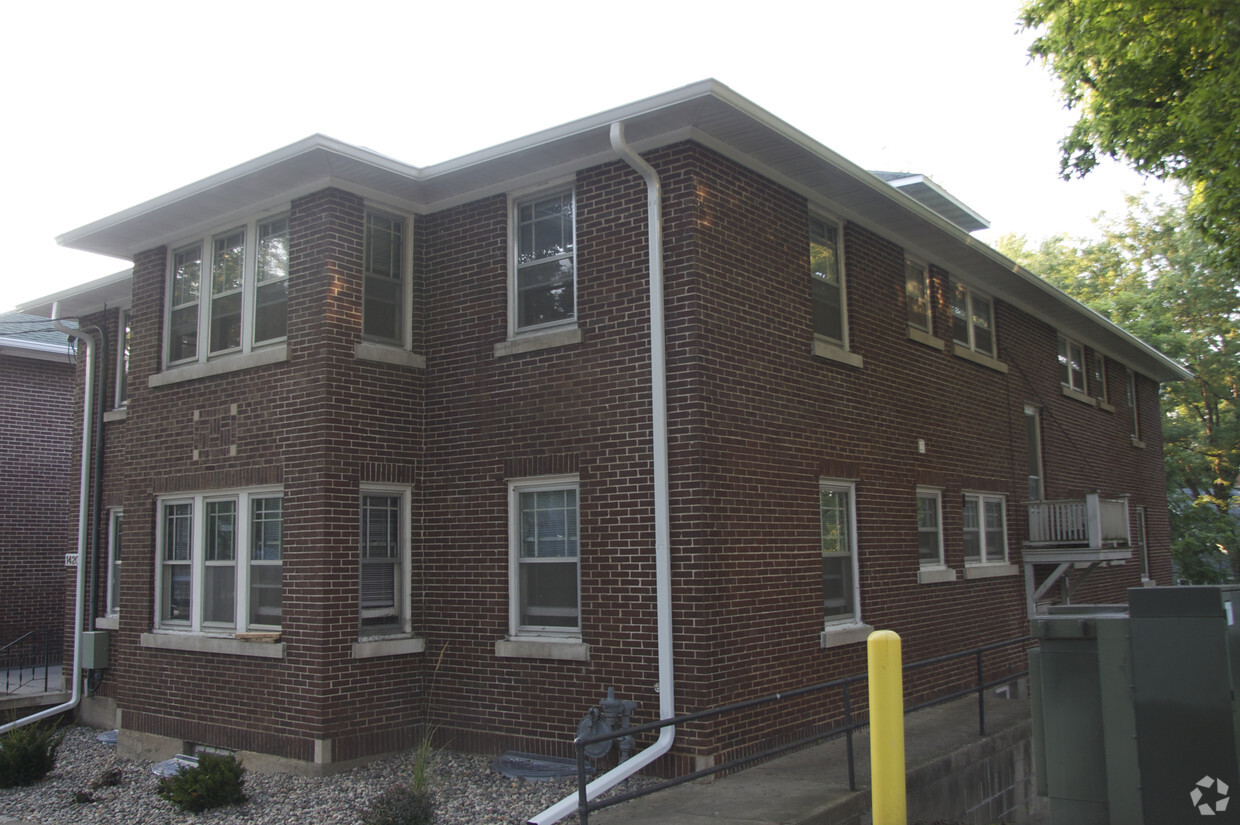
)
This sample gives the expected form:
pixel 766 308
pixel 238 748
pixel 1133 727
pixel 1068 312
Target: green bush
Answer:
pixel 27 754
pixel 213 783
pixel 400 806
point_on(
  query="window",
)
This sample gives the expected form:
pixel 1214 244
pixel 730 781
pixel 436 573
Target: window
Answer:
pixel 544 272
pixel 1140 542
pixel 115 520
pixel 1033 450
pixel 985 529
pixel 544 557
pixel 383 301
pixel 840 591
pixel 917 294
pixel 929 528
pixel 383 597
pixel 972 320
pixel 827 281
pixel 220 561
pixel 1132 407
pixel 1071 364
pixel 122 358
pixel 1100 378
pixel 244 303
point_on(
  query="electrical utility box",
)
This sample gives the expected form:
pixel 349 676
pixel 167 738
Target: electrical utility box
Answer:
pixel 1135 718
pixel 1186 668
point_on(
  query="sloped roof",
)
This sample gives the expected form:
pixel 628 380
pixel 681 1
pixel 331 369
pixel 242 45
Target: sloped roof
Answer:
pixel 31 336
pixel 707 112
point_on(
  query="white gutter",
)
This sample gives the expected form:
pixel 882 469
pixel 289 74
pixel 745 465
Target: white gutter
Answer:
pixel 662 529
pixel 83 524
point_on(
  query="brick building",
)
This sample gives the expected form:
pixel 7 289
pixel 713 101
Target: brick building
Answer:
pixel 406 445
pixel 36 510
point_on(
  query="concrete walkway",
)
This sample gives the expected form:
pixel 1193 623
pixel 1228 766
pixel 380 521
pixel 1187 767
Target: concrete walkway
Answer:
pixel 810 787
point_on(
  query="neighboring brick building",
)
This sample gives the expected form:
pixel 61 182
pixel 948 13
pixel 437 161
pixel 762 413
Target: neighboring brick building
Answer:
pixel 391 452
pixel 36 508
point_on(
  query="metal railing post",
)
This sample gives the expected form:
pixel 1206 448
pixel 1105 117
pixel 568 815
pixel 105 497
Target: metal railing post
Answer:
pixel 981 697
pixel 583 802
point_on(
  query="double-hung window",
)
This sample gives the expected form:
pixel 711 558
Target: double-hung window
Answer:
pixel 1132 407
pixel 929 528
pixel 985 529
pixel 115 522
pixel 917 294
pixel 383 299
pixel 544 273
pixel 837 518
pixel 1071 364
pixel 1100 379
pixel 122 358
pixel 973 325
pixel 826 276
pixel 383 596
pixel 544 557
pixel 220 558
pixel 228 293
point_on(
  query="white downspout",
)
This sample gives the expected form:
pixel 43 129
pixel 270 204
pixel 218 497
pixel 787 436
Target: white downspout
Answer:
pixel 662 530
pixel 83 524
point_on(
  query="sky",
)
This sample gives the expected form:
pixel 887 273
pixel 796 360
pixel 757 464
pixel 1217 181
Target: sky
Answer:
pixel 109 104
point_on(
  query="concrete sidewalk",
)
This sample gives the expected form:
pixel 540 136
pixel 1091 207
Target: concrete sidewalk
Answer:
pixel 943 752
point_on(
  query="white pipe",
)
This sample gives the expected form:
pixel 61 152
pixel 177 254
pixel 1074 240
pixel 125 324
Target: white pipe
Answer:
pixel 83 524
pixel 662 519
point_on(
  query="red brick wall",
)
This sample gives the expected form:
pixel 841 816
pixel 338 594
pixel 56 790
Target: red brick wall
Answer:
pixel 36 514
pixel 756 422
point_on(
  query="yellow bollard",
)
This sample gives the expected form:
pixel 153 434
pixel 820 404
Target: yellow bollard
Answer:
pixel 886 729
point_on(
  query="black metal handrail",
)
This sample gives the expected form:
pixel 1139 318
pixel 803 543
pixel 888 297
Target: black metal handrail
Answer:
pixel 585 806
pixel 32 651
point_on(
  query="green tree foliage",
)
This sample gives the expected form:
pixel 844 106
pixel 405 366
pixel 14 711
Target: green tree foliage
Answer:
pixel 1155 276
pixel 1157 84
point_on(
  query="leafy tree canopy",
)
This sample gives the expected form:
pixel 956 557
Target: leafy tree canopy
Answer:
pixel 1157 84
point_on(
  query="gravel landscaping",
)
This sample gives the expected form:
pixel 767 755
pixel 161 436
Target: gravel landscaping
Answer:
pixel 467 790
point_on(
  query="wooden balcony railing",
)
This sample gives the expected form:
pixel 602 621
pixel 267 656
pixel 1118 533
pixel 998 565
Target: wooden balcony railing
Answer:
pixel 1093 523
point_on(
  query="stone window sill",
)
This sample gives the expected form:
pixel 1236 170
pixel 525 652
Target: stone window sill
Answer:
pixel 108 623
pixel 570 650
pixel 118 414
pixel 979 358
pixel 197 643
pixel 923 337
pixel 374 648
pixel 844 634
pixel 534 341
pixel 933 575
pixel 988 571
pixel 834 352
pixel 1077 395
pixel 388 354
pixel 220 366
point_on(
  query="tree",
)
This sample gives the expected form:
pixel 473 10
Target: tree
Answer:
pixel 1157 84
pixel 1175 289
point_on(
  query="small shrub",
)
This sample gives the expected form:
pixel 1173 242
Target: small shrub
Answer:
pixel 213 783
pixel 27 754
pixel 83 797
pixel 400 806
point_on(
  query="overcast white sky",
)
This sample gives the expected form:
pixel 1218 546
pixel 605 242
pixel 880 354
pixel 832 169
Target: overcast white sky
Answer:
pixel 108 104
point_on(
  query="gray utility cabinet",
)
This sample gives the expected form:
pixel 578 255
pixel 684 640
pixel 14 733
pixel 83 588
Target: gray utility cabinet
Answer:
pixel 1134 711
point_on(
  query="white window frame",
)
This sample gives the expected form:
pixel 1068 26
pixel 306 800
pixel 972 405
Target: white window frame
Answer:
pixel 1133 409
pixel 1072 367
pixel 515 266
pixel 1142 542
pixel 933 496
pixel 970 320
pixel 837 226
pixel 988 556
pixel 400 623
pixel 1101 390
pixel 403 339
pixel 197 563
pixel 116 516
pixel 849 488
pixel 923 321
pixel 247 292
pixel 516 489
pixel 1035 483
pixel 121 398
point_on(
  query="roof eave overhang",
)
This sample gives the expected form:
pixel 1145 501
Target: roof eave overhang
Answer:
pixel 707 112
pixel 110 291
